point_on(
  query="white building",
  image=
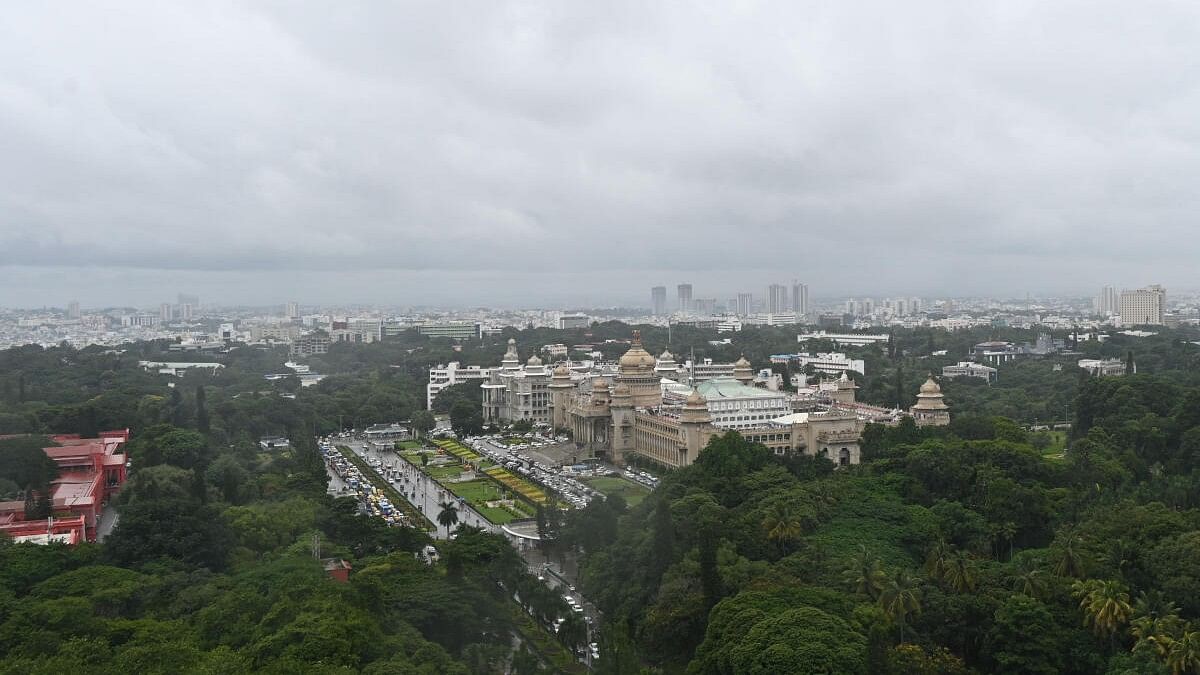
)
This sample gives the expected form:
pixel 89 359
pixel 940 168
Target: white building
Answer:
pixel 1104 367
pixel 832 363
pixel 971 369
pixel 177 368
pixel 1144 306
pixel 451 374
pixel 569 321
pixel 844 339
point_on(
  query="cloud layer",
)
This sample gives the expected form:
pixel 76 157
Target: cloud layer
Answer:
pixel 446 148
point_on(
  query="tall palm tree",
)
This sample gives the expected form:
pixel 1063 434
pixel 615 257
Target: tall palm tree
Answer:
pixel 1184 654
pixel 448 516
pixel 1070 556
pixel 900 599
pixel 782 524
pixel 959 573
pixel 1105 605
pixel 865 574
pixel 937 559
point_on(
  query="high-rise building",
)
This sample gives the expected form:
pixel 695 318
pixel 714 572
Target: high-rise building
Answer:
pixel 685 297
pixel 658 300
pixel 1108 302
pixel 799 299
pixel 164 313
pixel 292 310
pixel 186 311
pixel 852 307
pixel 1144 306
pixel 73 309
pixel 745 304
pixel 705 305
pixel 777 299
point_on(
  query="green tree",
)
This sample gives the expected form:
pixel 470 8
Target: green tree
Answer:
pixel 865 575
pixel 447 517
pixel 900 598
pixel 782 525
pixel 1105 605
pixel 1022 638
pixel 423 422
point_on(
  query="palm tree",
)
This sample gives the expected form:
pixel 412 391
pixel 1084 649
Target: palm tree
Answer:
pixel 1184 654
pixel 783 526
pixel 1030 579
pixel 1070 556
pixel 959 574
pixel 1157 626
pixel 1105 605
pixel 1008 532
pixel 937 559
pixel 448 516
pixel 900 599
pixel 865 574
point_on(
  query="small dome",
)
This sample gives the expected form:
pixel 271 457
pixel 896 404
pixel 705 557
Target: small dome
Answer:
pixel 600 384
pixel 561 371
pixel 512 342
pixel 930 387
pixel 533 361
pixel 741 363
pixel 666 356
pixel 696 400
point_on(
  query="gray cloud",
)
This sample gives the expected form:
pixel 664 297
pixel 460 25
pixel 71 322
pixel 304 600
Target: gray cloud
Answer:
pixel 515 148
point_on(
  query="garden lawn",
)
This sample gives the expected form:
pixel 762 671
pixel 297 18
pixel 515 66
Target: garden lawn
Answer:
pixel 633 493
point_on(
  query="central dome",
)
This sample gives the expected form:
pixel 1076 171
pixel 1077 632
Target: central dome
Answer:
pixel 637 358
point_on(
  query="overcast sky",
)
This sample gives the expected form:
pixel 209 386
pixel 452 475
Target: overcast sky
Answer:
pixel 580 152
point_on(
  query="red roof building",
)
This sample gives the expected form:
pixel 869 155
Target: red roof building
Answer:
pixel 90 472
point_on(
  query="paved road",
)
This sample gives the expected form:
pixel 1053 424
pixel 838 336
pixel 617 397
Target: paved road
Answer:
pixel 421 490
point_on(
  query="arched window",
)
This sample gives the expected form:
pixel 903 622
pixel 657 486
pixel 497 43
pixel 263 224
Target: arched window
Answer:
pixel 844 457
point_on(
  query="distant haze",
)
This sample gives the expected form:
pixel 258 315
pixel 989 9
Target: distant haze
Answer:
pixel 578 153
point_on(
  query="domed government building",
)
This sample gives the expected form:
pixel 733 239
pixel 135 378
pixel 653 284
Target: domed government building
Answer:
pixel 667 412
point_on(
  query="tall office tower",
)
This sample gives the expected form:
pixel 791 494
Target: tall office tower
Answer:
pixel 685 297
pixel 852 307
pixel 1143 306
pixel 777 299
pixel 164 313
pixel 1108 302
pixel 73 309
pixel 745 304
pixel 658 300
pixel 868 306
pixel 799 298
pixel 292 310
pixel 186 311
pixel 914 305
pixel 901 307
pixel 705 305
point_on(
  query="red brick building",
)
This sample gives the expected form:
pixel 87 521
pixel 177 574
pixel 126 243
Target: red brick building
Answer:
pixel 90 472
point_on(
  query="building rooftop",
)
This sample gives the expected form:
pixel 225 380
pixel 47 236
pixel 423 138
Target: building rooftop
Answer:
pixel 727 387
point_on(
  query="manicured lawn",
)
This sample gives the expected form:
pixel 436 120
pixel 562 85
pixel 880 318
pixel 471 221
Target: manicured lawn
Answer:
pixel 631 492
pixel 408 445
pixel 477 493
